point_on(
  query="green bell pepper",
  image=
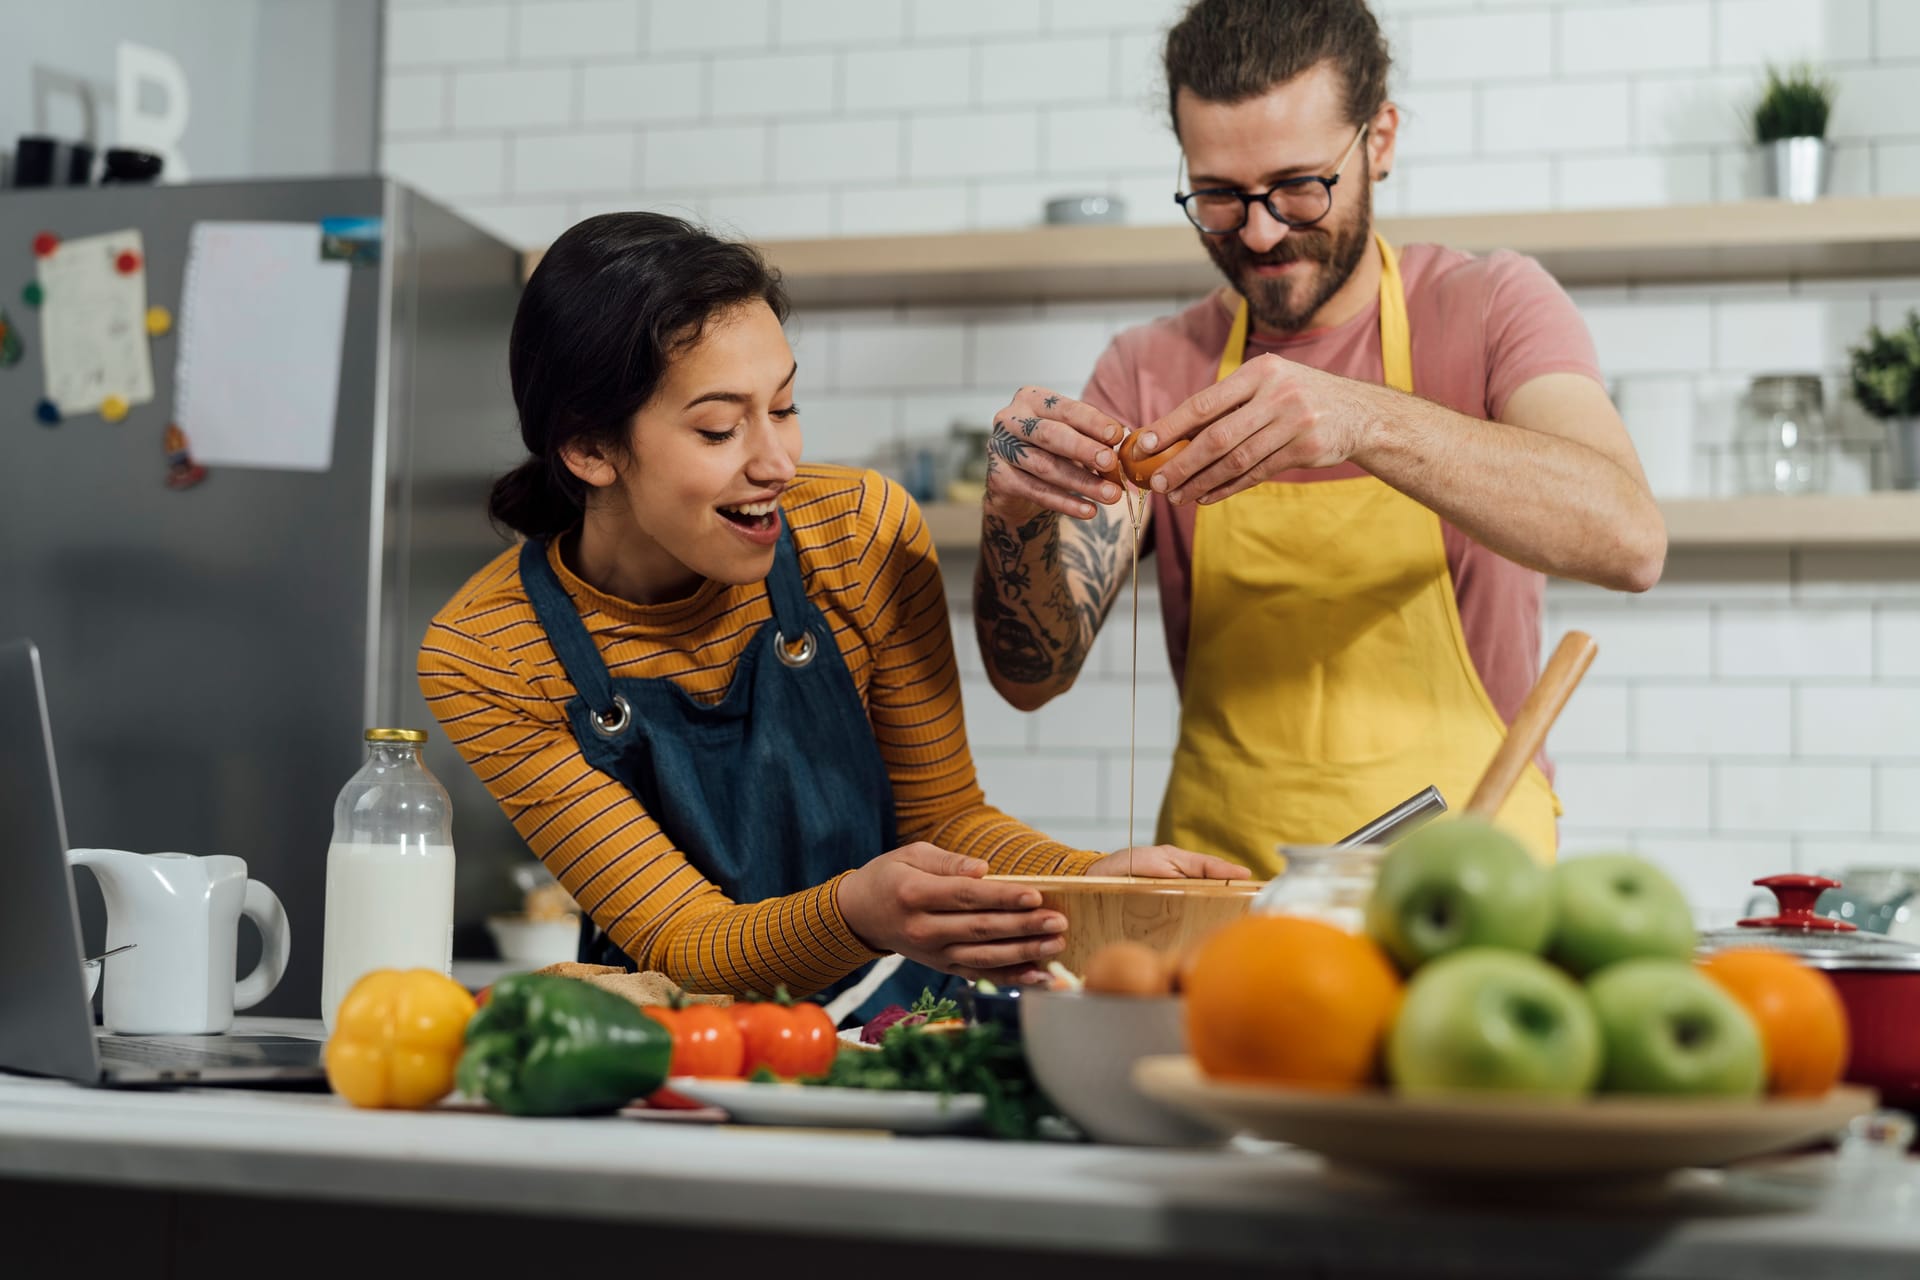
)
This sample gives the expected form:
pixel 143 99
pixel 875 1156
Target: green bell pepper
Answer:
pixel 546 1046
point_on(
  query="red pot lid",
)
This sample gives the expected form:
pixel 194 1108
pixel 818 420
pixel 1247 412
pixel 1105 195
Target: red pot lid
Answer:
pixel 1820 941
pixel 1796 896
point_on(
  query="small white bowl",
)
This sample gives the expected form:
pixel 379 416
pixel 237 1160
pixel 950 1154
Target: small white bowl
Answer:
pixel 535 942
pixel 1082 1049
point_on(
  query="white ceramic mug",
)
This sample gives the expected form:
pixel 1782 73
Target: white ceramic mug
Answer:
pixel 182 915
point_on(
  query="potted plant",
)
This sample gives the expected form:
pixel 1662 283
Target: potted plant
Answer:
pixel 1886 382
pixel 1790 128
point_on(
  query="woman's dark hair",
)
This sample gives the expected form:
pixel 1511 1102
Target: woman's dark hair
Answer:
pixel 611 303
pixel 1231 50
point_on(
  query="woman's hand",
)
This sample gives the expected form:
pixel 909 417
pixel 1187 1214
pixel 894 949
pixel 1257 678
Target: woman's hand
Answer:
pixel 1166 862
pixel 1050 452
pixel 933 906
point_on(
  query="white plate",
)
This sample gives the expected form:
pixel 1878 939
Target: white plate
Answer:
pixel 825 1107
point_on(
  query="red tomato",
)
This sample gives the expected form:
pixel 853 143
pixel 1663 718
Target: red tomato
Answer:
pixel 707 1043
pixel 788 1040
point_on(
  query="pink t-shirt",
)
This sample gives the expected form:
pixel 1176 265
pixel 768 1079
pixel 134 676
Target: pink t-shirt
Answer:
pixel 1481 327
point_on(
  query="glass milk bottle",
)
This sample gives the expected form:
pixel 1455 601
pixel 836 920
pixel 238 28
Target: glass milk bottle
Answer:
pixel 389 869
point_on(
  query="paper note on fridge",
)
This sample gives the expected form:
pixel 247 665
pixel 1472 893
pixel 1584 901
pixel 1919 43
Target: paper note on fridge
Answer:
pixel 262 322
pixel 93 322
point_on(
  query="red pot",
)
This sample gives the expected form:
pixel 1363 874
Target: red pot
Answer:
pixel 1878 979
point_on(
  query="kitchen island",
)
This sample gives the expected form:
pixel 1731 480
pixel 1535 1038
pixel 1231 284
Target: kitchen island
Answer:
pixel 207 1182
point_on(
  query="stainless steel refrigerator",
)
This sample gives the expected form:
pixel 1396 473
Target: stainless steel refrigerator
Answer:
pixel 214 653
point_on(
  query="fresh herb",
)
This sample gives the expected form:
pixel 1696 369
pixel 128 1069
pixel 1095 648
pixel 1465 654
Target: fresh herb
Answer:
pixel 1886 370
pixel 925 1009
pixel 971 1060
pixel 934 1010
pixel 1795 104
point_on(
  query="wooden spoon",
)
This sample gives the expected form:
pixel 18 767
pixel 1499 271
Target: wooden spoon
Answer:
pixel 1549 695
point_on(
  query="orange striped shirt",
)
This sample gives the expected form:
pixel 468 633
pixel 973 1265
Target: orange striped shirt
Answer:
pixel 868 564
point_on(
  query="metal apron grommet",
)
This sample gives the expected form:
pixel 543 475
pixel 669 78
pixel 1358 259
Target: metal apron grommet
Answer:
pixel 797 656
pixel 615 722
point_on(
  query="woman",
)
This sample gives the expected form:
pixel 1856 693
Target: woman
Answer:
pixel 713 689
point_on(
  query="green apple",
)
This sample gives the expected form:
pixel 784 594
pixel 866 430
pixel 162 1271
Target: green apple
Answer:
pixel 1485 1019
pixel 1457 884
pixel 1669 1028
pixel 1610 907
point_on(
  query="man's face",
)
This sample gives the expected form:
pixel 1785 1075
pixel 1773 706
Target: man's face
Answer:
pixel 1293 130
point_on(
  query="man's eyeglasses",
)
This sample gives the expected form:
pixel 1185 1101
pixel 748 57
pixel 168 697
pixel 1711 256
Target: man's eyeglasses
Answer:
pixel 1297 202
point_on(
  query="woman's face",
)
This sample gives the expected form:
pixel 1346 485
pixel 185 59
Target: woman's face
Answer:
pixel 707 460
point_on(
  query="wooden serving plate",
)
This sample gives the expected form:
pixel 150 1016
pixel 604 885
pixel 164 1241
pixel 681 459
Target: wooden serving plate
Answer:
pixel 1503 1137
pixel 1168 915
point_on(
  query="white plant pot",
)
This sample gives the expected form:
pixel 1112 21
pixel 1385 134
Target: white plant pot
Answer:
pixel 1903 440
pixel 1797 169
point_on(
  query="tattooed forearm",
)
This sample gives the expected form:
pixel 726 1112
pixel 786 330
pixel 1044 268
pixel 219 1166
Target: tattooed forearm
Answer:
pixel 1014 641
pixel 1041 592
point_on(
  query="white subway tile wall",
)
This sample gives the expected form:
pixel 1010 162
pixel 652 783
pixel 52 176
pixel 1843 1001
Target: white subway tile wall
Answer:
pixel 1757 712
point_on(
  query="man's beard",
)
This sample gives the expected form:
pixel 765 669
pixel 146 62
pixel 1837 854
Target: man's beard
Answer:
pixel 1285 304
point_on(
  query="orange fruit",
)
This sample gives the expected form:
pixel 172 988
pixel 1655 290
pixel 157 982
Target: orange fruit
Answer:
pixel 1802 1022
pixel 1288 1000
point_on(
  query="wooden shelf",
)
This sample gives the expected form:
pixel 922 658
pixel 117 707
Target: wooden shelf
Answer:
pixel 1865 520
pixel 1861 520
pixel 1748 240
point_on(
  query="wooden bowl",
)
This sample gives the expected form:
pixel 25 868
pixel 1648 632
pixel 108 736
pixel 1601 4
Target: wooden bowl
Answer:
pixel 1167 915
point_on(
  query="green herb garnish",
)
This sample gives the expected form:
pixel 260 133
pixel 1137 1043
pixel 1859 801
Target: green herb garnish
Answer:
pixel 971 1060
pixel 934 1010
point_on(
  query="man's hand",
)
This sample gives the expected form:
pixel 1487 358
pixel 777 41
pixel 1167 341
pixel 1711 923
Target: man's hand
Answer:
pixel 1167 862
pixel 1267 417
pixel 1049 452
pixel 933 906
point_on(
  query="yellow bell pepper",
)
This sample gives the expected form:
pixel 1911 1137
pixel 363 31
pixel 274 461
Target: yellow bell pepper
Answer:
pixel 397 1038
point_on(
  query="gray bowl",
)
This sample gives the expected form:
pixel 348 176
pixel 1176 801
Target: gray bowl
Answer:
pixel 1082 1049
pixel 1086 210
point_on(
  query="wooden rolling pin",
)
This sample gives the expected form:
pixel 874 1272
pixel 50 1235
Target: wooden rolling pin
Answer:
pixel 1549 695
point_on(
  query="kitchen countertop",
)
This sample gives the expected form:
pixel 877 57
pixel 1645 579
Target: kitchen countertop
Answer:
pixel 1276 1207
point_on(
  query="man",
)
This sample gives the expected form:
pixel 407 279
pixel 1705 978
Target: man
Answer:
pixel 1386 451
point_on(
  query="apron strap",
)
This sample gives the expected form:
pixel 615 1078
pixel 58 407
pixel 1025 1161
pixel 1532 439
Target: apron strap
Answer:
pixel 787 592
pixel 568 635
pixel 1396 337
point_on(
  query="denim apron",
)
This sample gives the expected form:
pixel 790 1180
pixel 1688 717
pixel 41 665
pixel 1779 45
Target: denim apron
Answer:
pixel 775 789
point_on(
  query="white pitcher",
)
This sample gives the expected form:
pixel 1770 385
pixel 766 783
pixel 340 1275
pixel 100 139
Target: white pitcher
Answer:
pixel 182 915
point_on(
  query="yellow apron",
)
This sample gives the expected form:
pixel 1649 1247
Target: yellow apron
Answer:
pixel 1328 677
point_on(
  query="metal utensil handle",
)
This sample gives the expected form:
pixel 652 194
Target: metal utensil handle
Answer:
pixel 1412 812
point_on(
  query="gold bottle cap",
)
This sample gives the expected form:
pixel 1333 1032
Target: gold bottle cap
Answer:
pixel 396 735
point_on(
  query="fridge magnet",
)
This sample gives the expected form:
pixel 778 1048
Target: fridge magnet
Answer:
pixel 33 294
pixel 351 240
pixel 93 329
pixel 48 413
pixel 182 471
pixel 44 244
pixel 113 409
pixel 159 322
pixel 11 348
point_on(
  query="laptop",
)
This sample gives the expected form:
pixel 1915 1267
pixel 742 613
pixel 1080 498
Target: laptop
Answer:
pixel 46 1017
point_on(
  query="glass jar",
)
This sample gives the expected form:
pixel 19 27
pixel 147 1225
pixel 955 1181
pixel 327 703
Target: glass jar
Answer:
pixel 1783 444
pixel 1323 882
pixel 389 870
